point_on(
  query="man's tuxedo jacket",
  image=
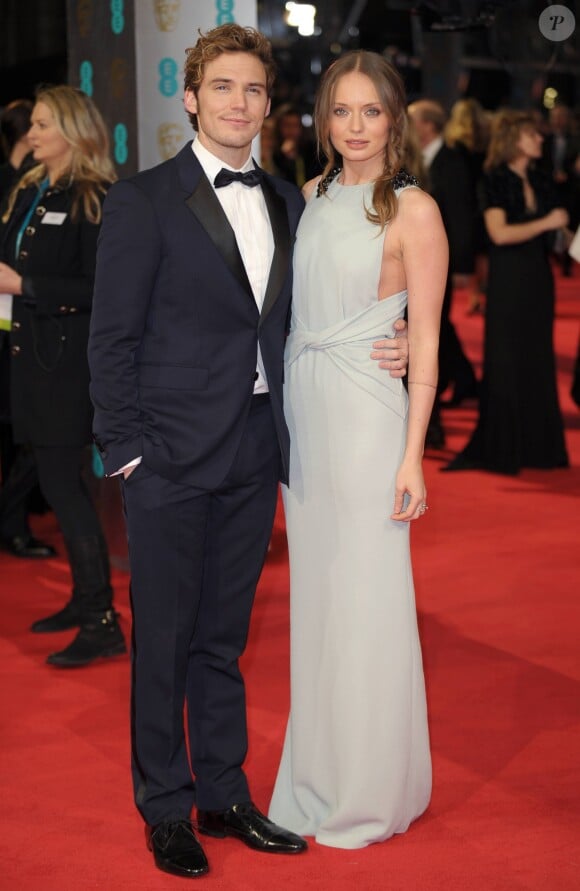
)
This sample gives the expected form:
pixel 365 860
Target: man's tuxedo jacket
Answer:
pixel 175 326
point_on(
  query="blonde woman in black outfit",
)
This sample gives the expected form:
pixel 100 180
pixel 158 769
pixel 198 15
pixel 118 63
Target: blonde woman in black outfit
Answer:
pixel 17 467
pixel 48 239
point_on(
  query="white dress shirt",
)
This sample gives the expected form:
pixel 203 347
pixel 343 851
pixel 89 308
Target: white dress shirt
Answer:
pixel 245 208
pixel 431 150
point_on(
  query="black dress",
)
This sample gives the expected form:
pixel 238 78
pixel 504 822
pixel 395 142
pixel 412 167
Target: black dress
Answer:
pixel 520 424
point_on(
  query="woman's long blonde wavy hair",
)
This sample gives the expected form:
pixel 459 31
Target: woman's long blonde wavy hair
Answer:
pixel 91 169
pixel 391 92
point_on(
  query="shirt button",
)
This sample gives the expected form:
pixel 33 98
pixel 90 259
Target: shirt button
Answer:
pixel 16 325
pixel 22 255
pixel 256 376
pixel 30 230
pixel 40 211
pixel 15 350
pixel 63 309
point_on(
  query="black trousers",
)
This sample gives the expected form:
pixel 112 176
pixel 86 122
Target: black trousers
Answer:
pixel 196 557
pixel 58 470
pixel 19 479
pixel 62 484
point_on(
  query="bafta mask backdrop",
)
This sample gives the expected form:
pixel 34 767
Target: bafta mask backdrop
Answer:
pixel 129 54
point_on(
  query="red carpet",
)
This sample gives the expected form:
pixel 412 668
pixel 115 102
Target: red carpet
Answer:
pixel 497 571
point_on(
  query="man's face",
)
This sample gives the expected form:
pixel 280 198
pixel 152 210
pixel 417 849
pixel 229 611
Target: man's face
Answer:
pixel 424 129
pixel 290 128
pixel 230 105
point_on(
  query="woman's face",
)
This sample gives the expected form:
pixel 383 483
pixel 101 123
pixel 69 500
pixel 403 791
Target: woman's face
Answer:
pixel 49 147
pixel 359 125
pixel 529 144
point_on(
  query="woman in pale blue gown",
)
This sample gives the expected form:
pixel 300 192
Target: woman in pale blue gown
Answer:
pixel 356 764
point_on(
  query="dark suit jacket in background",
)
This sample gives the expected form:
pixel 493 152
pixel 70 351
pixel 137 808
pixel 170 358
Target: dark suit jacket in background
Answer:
pixel 451 185
pixel 569 190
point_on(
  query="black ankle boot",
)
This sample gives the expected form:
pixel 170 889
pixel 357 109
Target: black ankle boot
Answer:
pixel 92 593
pixel 68 617
pixel 100 637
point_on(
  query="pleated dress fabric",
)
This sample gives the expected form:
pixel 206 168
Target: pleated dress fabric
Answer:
pixel 356 764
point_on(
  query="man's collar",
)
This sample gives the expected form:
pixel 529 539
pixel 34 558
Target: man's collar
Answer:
pixel 212 165
pixel 431 150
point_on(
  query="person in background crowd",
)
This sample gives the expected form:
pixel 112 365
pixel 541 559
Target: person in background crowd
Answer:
pixel 16 462
pixel 519 424
pixel 412 160
pixel 294 155
pixel 267 146
pixel 467 131
pixel 48 240
pixel 356 765
pixel 561 149
pixel 14 126
pixel 192 294
pixel 450 184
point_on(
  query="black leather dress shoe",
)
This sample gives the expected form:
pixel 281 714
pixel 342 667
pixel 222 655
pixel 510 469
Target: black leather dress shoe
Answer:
pixel 176 849
pixel 28 547
pixel 245 822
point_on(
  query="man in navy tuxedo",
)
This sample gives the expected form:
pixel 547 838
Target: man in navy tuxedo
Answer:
pixel 190 313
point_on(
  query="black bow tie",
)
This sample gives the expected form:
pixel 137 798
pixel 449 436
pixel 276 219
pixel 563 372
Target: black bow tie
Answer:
pixel 225 177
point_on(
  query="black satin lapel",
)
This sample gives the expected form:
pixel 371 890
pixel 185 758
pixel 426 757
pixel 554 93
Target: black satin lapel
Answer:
pixel 282 246
pixel 208 210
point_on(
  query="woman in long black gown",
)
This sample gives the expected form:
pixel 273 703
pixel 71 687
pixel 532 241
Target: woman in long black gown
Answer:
pixel 520 424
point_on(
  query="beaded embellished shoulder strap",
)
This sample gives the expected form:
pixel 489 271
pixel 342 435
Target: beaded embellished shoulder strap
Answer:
pixel 401 179
pixel 326 181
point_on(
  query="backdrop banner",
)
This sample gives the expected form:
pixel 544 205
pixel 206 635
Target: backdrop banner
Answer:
pixel 101 61
pixel 163 31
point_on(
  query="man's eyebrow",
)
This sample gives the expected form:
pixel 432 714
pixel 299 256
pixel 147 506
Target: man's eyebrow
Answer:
pixel 229 80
